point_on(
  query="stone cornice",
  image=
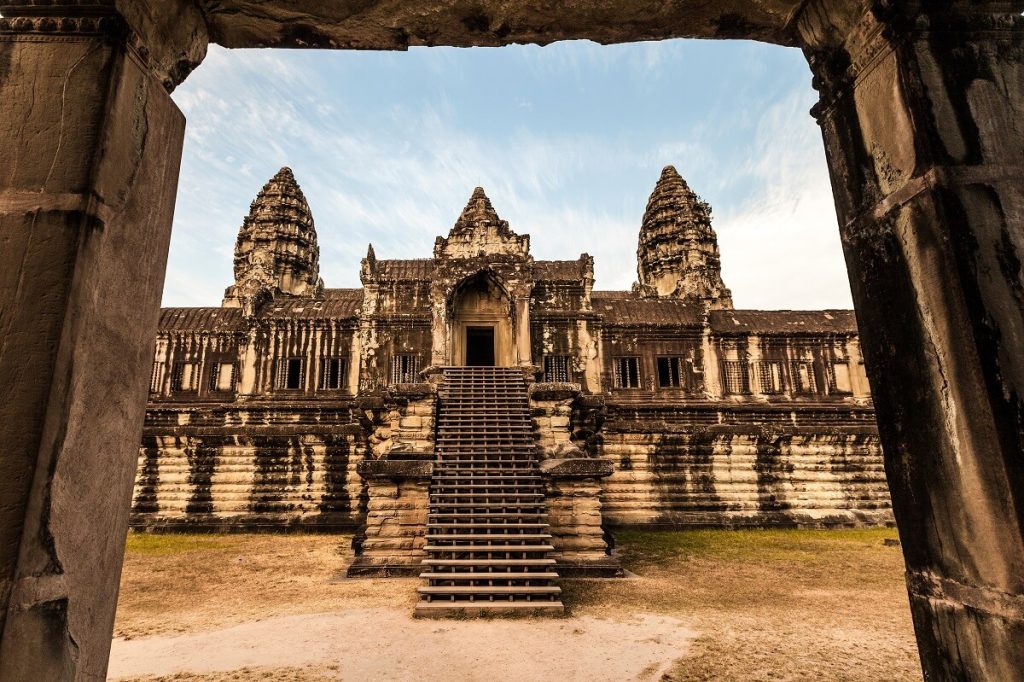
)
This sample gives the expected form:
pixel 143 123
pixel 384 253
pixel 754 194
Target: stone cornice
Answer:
pixel 843 42
pixel 167 37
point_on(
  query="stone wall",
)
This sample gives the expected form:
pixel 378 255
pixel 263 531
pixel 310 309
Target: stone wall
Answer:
pixel 551 408
pixel 397 470
pixel 740 475
pixel 294 467
pixel 400 421
pixel 392 540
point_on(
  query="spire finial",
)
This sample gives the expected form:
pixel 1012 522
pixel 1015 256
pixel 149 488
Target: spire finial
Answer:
pixel 479 212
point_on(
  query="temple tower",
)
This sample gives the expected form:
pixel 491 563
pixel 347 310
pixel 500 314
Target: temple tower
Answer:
pixel 677 256
pixel 276 252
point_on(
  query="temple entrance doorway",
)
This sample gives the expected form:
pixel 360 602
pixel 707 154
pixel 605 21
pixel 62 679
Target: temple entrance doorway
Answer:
pixel 481 326
pixel 480 346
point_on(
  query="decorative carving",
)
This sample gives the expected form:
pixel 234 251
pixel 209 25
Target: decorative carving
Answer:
pixel 677 256
pixel 276 252
pixel 479 231
pixel 841 51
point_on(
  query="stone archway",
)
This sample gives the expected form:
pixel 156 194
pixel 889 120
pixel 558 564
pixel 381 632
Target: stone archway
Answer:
pixel 479 304
pixel 919 104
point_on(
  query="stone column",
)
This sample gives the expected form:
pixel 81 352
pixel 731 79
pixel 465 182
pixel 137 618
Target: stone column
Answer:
pixel 524 354
pixel 440 343
pixel 921 109
pixel 573 499
pixel 392 541
pixel 90 144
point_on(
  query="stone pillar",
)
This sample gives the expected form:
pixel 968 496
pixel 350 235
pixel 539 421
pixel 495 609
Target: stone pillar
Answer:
pixel 573 498
pixel 524 353
pixel 91 144
pixel 551 413
pixel 921 109
pixel 440 344
pixel 396 518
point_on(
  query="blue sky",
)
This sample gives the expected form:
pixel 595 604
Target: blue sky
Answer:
pixel 568 140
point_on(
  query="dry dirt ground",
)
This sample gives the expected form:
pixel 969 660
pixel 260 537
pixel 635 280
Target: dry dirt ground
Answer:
pixel 700 605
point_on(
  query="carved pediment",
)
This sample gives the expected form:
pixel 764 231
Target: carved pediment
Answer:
pixel 480 232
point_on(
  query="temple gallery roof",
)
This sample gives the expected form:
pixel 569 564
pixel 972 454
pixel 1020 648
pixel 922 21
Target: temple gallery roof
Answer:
pixel 623 308
pixel 338 304
pixel 783 321
pixel 620 308
pixel 200 319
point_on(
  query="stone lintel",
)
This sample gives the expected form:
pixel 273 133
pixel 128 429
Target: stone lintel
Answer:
pixel 395 469
pixel 577 467
pixel 168 37
pixel 396 26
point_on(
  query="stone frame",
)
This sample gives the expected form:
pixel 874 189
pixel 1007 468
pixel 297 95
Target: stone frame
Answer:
pixel 917 108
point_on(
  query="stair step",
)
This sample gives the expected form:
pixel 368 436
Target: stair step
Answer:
pixel 486 515
pixel 440 609
pixel 487 549
pixel 496 536
pixel 487 503
pixel 486 496
pixel 491 589
pixel 452 470
pixel 489 525
pixel 515 575
pixel 495 477
pixel 488 562
pixel 486 489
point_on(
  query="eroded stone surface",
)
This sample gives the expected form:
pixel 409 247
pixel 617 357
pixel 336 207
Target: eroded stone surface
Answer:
pixel 678 252
pixel 916 100
pixel 395 26
pixel 87 184
pixel 919 104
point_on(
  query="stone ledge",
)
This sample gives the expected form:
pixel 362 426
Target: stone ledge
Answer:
pixel 607 567
pixel 395 469
pixel 402 452
pixel 554 391
pixel 392 567
pixel 412 391
pixel 577 467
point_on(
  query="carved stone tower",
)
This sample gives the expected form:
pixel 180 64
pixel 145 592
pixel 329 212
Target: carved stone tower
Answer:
pixel 276 252
pixel 677 256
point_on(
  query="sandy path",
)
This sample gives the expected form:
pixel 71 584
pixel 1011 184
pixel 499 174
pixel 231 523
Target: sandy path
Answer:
pixel 387 644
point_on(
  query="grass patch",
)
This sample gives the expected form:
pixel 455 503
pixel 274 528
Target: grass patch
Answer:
pixel 165 544
pixel 641 549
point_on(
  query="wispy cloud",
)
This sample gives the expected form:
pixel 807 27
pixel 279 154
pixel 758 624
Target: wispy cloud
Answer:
pixel 781 245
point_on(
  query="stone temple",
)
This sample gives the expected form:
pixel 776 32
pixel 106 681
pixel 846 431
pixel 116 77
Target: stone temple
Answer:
pixel 482 411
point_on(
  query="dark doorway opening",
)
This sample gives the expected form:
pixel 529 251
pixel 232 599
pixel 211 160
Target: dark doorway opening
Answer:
pixel 480 346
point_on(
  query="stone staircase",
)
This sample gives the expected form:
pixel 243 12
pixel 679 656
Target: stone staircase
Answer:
pixel 487 542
